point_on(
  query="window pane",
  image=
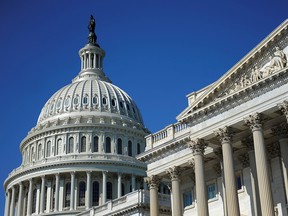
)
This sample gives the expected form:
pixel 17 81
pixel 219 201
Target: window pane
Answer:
pixel 108 145
pixel 187 198
pixel 211 191
pixel 129 148
pixel 95 144
pixel 119 146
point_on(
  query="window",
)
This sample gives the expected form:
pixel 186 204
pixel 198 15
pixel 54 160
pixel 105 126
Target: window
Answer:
pixel 138 148
pixel 71 145
pixel 211 189
pixel 83 144
pixel 32 154
pixel 108 145
pixel 96 144
pixel 119 146
pixel 40 151
pixel 95 100
pixel 187 198
pixel 67 102
pixel 95 193
pixel 122 189
pixel 129 148
pixel 128 107
pixel 34 200
pixel 53 198
pixel 59 102
pixel 239 181
pixel 109 191
pixel 85 100
pixel 67 194
pixel 59 147
pixel 113 102
pixel 76 100
pixel 121 104
pixel 81 197
pixel 104 101
pixel 48 149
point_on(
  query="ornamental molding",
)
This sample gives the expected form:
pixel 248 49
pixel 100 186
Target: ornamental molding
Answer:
pixel 197 146
pixel 265 62
pixel 224 134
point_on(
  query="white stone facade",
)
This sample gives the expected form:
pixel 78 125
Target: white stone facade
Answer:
pixel 226 155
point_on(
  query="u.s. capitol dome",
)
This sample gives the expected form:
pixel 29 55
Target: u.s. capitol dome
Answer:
pixel 81 152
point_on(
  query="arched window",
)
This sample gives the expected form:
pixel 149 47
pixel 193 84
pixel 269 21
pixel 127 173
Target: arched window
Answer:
pixel 83 144
pixel 32 154
pixel 122 189
pixel 67 194
pixel 138 148
pixel 108 145
pixel 129 148
pixel 71 145
pixel 59 147
pixel 109 191
pixel 40 151
pixel 34 200
pixel 119 146
pixel 81 197
pixel 95 144
pixel 48 149
pixel 95 193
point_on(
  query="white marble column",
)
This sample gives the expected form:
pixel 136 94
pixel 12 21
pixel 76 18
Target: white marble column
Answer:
pixel 119 194
pixel 72 192
pixel 88 190
pixel 153 184
pixel 198 147
pixel 42 198
pixel 12 204
pixel 133 180
pixel 174 173
pixel 57 180
pixel 7 203
pixel 104 187
pixel 30 194
pixel 265 192
pixel 20 200
pixel 225 137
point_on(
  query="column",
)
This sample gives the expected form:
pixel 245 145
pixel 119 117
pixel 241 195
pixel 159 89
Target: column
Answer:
pixel 12 204
pixel 174 173
pixel 104 187
pixel 29 205
pixel 88 190
pixel 153 184
pixel 255 123
pixel 282 132
pixel 57 192
pixel 119 185
pixel 94 61
pixel 253 174
pixel 89 60
pixel 7 203
pixel 20 200
pixel 42 198
pixel 85 61
pixel 225 137
pixel 72 191
pixel 198 147
pixel 133 182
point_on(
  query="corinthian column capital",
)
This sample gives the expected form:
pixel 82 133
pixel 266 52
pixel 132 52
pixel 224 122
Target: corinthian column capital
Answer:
pixel 254 121
pixel 224 134
pixel 197 146
pixel 284 108
pixel 153 181
pixel 174 172
pixel 281 130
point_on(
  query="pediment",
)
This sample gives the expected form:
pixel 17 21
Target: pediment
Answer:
pixel 265 61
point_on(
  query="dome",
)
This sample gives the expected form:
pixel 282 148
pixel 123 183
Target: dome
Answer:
pixel 90 97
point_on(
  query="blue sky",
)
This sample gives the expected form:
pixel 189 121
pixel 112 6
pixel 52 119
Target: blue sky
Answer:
pixel 156 51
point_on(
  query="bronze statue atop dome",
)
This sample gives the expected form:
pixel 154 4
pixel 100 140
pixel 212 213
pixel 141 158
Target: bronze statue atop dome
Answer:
pixel 92 38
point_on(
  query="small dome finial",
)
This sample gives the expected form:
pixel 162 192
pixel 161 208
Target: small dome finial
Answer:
pixel 92 38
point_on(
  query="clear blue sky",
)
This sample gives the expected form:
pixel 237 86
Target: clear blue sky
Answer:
pixel 156 51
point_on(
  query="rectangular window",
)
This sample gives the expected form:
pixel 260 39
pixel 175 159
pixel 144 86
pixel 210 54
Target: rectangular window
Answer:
pixel 187 198
pixel 211 189
pixel 239 181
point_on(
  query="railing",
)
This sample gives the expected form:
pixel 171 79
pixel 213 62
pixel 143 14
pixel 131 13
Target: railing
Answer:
pixel 136 198
pixel 168 133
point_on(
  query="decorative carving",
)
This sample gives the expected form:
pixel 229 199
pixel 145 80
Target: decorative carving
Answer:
pixel 284 108
pixel 153 181
pixel 192 163
pixel 197 146
pixel 218 152
pixel 174 172
pixel 273 150
pixel 244 159
pixel 224 134
pixel 92 38
pixel 254 121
